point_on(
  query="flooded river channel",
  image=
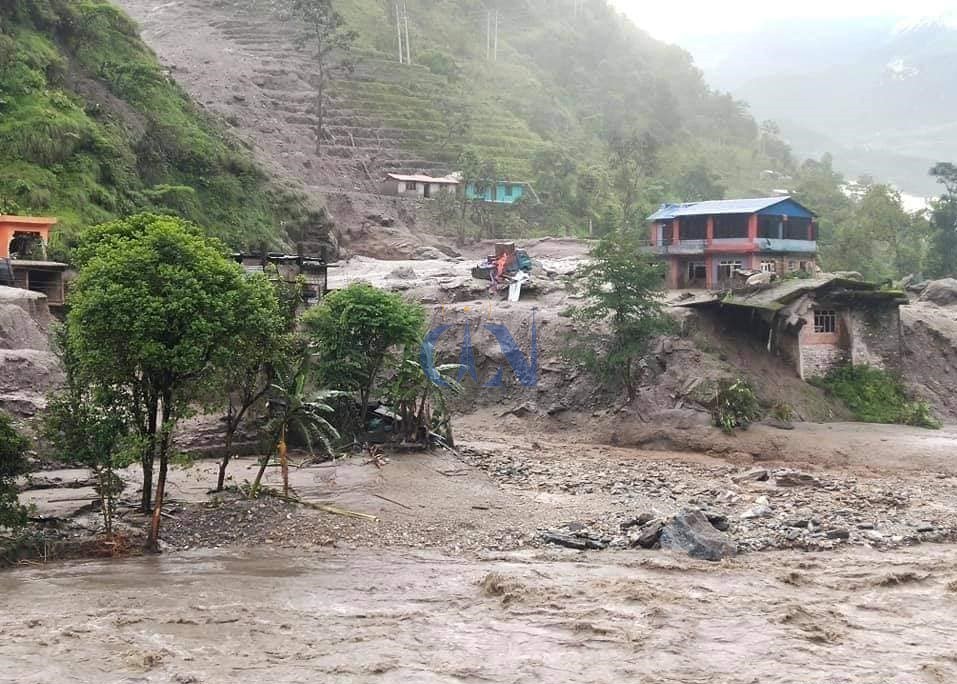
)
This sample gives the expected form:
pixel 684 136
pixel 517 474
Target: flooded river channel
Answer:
pixel 279 615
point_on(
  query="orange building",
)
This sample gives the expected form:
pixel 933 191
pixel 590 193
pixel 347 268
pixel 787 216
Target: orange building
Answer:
pixel 23 253
pixel 17 230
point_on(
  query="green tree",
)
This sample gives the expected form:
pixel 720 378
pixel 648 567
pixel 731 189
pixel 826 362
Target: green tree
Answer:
pixel 326 33
pixel 699 183
pixel 13 462
pixel 623 290
pixel 150 316
pixel 942 260
pixel 879 239
pixel 359 333
pixel 91 429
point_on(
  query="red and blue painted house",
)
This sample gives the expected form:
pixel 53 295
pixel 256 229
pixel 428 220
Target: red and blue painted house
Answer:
pixel 705 242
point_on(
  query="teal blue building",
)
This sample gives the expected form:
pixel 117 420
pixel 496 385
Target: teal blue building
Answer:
pixel 500 192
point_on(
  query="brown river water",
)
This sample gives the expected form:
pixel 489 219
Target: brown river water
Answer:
pixel 278 615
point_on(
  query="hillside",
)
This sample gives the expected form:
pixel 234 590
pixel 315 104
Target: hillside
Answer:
pixel 91 128
pixel 605 121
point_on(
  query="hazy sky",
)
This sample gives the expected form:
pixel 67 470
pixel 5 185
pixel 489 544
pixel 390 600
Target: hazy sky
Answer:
pixel 673 20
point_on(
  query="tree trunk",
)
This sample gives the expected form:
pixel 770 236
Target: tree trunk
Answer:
pixel 320 104
pixel 152 542
pixel 227 455
pixel 149 455
pixel 263 464
pixel 629 382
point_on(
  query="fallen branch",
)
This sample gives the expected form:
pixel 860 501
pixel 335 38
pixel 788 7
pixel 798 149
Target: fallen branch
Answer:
pixel 392 501
pixel 324 507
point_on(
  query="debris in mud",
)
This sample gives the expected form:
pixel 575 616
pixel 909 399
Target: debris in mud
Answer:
pixel 754 475
pixel 578 541
pixel 795 478
pixel 649 536
pixel 691 532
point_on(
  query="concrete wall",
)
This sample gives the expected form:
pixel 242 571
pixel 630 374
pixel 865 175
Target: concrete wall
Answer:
pixel 876 338
pixel 866 335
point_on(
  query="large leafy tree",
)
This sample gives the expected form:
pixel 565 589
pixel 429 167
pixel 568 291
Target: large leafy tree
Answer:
pixel 151 313
pixel 943 255
pixel 623 291
pixel 358 332
pixel 13 462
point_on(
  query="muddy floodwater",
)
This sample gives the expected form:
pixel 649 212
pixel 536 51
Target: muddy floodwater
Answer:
pixel 264 615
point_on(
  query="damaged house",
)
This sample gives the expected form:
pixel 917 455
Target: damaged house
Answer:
pixel 817 323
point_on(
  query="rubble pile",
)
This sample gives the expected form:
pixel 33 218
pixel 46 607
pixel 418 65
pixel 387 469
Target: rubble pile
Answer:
pixel 759 508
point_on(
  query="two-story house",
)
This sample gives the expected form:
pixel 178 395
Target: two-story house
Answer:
pixel 705 242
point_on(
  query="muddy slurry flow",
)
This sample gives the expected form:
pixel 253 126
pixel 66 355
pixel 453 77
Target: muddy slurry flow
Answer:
pixel 254 615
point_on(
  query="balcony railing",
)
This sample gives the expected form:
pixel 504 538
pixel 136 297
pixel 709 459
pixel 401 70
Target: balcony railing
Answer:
pixel 784 245
pixel 669 246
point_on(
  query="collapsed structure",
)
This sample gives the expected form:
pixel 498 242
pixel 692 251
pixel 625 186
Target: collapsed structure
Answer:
pixel 818 323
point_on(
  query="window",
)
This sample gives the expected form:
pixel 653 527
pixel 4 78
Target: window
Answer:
pixel 411 186
pixel 694 228
pixel 697 271
pixel 769 266
pixel 792 265
pixel 770 227
pixel 825 321
pixel 797 228
pixel 727 266
pixel 731 226
pixel 508 190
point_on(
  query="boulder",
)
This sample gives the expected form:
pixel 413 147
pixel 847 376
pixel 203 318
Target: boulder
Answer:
pixel 690 532
pixel 941 292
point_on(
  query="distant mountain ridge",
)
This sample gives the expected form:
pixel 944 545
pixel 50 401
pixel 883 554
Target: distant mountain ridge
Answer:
pixel 878 93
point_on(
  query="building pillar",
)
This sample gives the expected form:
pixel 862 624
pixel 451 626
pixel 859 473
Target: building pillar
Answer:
pixel 675 231
pixel 654 235
pixel 709 268
pixel 709 234
pixel 6 235
pixel 672 277
pixel 753 228
pixel 810 230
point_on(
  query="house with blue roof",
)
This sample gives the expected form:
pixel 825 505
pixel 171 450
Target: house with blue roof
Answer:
pixel 704 243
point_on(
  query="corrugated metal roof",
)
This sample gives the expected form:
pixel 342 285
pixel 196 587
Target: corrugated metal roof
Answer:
pixel 418 178
pixel 783 292
pixel 711 207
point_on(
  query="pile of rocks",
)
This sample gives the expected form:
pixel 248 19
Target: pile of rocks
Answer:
pixel 759 508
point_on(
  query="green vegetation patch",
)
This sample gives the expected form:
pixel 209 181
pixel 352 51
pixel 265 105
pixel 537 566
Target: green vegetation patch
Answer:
pixel 875 396
pixel 91 128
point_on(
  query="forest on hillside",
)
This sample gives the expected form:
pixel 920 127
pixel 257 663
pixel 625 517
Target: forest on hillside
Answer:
pixel 616 123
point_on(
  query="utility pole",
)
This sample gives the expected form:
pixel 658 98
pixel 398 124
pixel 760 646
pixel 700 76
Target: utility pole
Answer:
pixel 408 49
pixel 398 29
pixel 495 49
pixel 488 36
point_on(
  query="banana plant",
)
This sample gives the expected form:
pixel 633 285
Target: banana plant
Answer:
pixel 297 409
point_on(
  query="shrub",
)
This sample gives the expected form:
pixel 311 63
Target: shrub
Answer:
pixel 12 463
pixel 735 405
pixel 875 396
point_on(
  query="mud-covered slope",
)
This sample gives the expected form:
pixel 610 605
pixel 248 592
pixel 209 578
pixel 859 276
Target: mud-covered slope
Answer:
pixel 536 106
pixel 27 367
pixel 92 128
